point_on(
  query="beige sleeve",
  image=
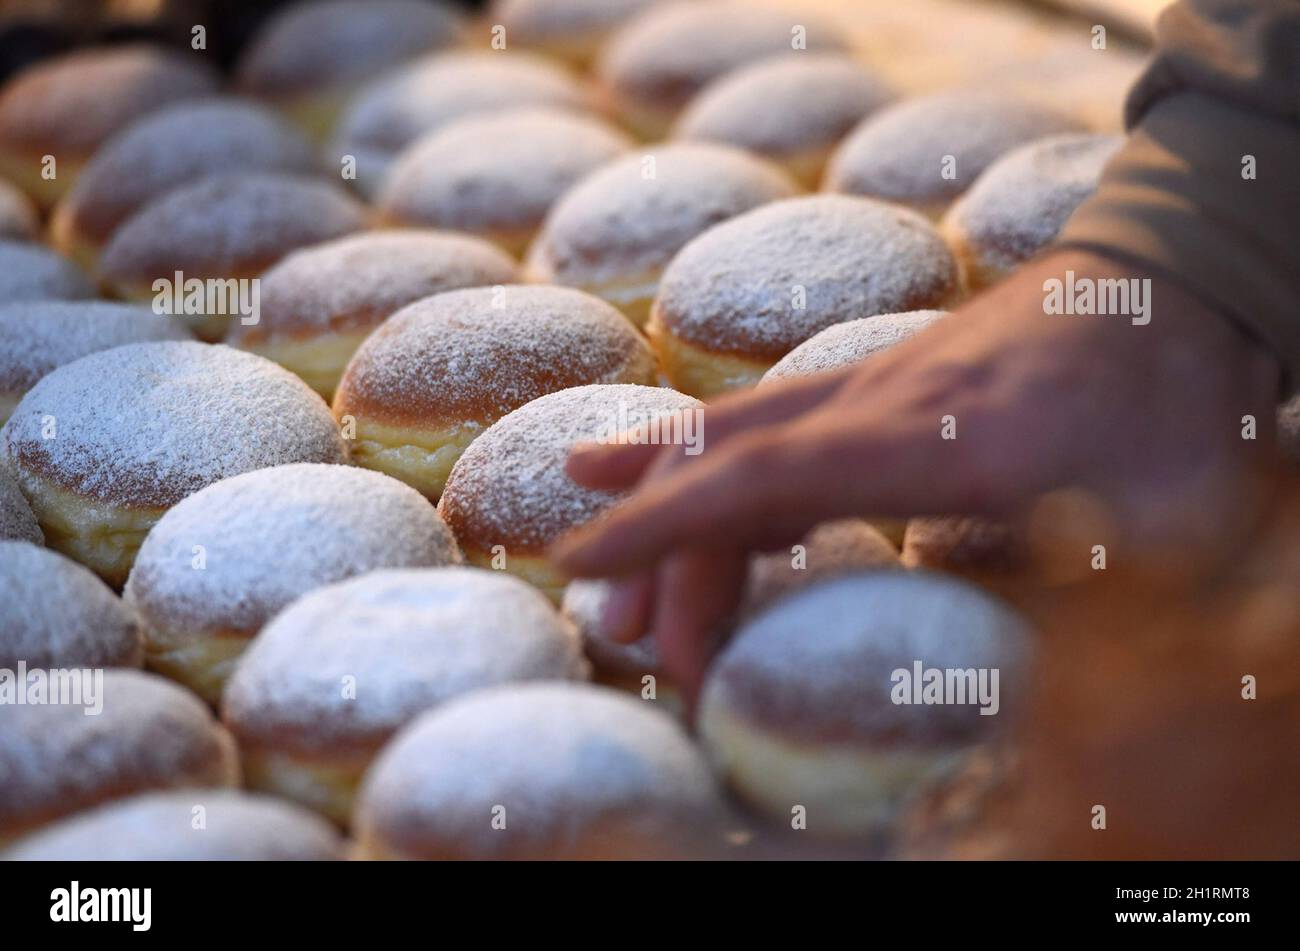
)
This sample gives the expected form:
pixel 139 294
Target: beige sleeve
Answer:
pixel 1207 189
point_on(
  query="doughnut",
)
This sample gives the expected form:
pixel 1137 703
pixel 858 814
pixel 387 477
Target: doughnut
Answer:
pixel 58 758
pixel 31 272
pixel 748 291
pixel 924 152
pixel 197 825
pixel 223 227
pixel 508 496
pixel 68 106
pixel 801 707
pixel 18 218
pixel 830 549
pixel 654 64
pixel 538 771
pixel 168 148
pixel 614 232
pixel 310 57
pixel 58 614
pixel 442 370
pixel 320 302
pixel 104 445
pixel 336 674
pixel 976 548
pixel 568 30
pixel 1019 205
pixel 421 97
pixel 791 110
pixel 37 337
pixel 338 521
pixel 17 522
pixel 496 175
pixel 841 345
pixel 1288 428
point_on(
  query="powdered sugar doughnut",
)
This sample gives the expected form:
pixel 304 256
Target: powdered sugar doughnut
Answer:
pixel 496 175
pixel 17 523
pixel 104 445
pixel 792 110
pixel 655 63
pixel 571 30
pixel 58 614
pixel 319 303
pixel 18 219
pixel 335 675
pixel 830 549
pixel 310 56
pixel 803 706
pixel 31 272
pixel 147 733
pixel 1020 204
pixel 268 537
pixel 227 227
pixel 532 771
pixel 508 497
pixel 442 370
pixel 924 152
pixel 425 95
pixel 40 336
pixel 161 827
pixel 613 233
pixel 841 345
pixel 168 148
pixel 67 106
pixel 748 291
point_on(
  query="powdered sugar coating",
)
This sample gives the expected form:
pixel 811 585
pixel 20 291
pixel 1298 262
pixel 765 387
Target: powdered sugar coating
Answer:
pixel 40 336
pixel 536 21
pixel 357 281
pixel 1019 205
pixel 32 272
pixel 736 288
pixel 840 345
pixel 578 769
pixel 630 217
pixel 150 423
pixel 313 43
pixel 18 219
pixel 150 734
pixel 17 523
pixel 411 640
pixel 784 104
pixel 176 146
pixel 817 666
pixel 585 600
pixel 672 50
pixel 900 153
pixel 70 104
pixel 228 225
pixel 510 488
pixel 428 93
pixel 272 535
pixel 59 614
pixel 476 354
pixel 159 827
pixel 497 172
